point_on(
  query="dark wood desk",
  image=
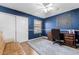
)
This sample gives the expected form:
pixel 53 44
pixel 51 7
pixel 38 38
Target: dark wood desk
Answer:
pixel 69 40
pixel 49 36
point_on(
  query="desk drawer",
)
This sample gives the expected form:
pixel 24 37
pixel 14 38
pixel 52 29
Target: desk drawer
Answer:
pixel 69 42
pixel 71 38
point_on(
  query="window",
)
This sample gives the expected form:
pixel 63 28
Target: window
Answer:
pixel 37 26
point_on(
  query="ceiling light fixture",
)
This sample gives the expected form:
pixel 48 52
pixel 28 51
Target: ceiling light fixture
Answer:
pixel 48 7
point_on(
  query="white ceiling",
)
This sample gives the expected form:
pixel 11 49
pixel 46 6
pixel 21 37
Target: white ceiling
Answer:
pixel 37 8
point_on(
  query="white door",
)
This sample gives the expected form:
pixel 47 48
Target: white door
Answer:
pixel 7 26
pixel 21 29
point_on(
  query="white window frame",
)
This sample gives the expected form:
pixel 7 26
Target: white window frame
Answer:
pixel 37 26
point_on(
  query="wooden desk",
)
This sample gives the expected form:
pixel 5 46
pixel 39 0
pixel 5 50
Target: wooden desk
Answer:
pixel 70 40
pixel 49 36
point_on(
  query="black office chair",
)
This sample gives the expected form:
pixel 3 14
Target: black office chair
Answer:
pixel 56 36
pixel 77 38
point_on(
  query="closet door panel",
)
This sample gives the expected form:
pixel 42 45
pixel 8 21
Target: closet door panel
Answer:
pixel 7 26
pixel 21 28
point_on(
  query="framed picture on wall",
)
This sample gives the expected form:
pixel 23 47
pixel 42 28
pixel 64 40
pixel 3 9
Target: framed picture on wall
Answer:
pixel 37 26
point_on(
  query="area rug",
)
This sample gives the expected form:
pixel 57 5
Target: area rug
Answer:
pixel 46 47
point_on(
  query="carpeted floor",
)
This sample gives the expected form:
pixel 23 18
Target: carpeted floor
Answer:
pixel 46 47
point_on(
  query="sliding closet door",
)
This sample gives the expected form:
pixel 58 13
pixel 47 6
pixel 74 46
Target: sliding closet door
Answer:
pixel 21 29
pixel 7 26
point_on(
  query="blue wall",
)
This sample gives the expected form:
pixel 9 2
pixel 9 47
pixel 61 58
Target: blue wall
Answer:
pixel 30 17
pixel 64 21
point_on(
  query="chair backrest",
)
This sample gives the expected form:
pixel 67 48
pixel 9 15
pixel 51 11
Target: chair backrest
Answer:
pixel 55 34
pixel 77 34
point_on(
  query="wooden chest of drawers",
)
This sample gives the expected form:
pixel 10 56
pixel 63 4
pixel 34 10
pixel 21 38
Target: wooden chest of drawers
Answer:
pixel 70 40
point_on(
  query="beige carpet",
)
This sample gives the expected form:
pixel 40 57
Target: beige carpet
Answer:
pixel 46 47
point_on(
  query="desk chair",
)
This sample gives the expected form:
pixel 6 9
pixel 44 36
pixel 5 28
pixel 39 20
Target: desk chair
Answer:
pixel 56 36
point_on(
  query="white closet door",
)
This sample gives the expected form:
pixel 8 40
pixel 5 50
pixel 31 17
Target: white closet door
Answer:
pixel 7 26
pixel 21 28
